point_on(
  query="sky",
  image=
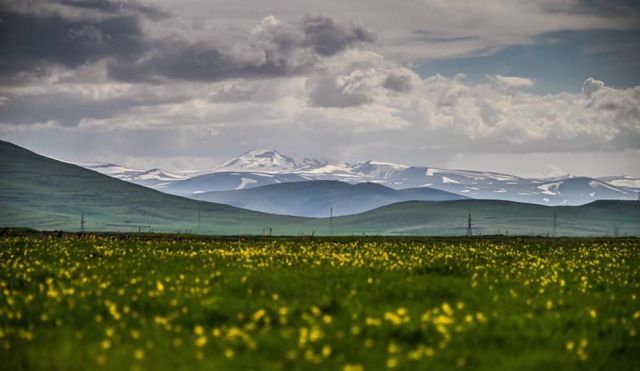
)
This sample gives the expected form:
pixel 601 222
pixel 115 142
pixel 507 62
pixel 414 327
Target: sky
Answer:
pixel 533 88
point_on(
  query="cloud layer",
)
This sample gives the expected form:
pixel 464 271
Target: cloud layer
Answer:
pixel 356 94
pixel 272 49
pixel 136 80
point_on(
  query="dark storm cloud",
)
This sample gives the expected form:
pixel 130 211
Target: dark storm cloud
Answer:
pixel 30 43
pixel 200 63
pixel 115 7
pixel 53 33
pixel 327 37
pixel 400 83
pixel 275 50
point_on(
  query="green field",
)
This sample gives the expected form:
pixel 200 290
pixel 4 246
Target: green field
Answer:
pixel 122 302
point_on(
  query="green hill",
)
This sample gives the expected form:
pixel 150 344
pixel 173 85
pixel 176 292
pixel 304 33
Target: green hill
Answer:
pixel 489 217
pixel 41 193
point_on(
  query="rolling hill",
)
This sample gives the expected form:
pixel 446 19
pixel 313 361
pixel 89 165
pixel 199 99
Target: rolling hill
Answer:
pixel 42 193
pixel 600 218
pixel 45 194
pixel 316 198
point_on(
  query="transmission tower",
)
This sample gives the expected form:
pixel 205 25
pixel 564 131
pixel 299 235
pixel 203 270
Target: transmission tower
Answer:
pixel 82 223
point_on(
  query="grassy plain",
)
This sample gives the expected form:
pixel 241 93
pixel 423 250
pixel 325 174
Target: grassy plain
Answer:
pixel 121 302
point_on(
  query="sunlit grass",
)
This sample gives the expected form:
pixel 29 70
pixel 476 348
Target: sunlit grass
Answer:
pixel 104 302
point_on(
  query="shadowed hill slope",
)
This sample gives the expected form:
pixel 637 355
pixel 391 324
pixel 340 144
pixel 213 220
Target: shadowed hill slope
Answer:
pixel 38 192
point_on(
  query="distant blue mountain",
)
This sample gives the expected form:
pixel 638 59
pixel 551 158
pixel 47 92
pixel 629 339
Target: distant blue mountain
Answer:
pixel 316 198
pixel 266 167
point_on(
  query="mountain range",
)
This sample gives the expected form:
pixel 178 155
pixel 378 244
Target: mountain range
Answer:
pixel 46 194
pixel 259 168
pixel 322 198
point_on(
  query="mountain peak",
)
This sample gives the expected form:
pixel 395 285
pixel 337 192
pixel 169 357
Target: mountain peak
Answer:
pixel 259 167
pixel 261 152
pixel 263 160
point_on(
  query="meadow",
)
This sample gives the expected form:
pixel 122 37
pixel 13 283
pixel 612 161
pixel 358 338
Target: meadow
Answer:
pixel 126 302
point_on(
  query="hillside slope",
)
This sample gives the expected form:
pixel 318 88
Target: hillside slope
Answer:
pixel 38 192
pixel 46 194
pixel 600 218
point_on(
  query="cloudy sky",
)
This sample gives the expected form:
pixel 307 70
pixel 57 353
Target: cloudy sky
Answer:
pixel 529 87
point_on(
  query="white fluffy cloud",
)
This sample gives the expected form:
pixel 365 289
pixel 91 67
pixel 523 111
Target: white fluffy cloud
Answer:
pixel 591 86
pixel 356 98
pixel 327 85
pixel 408 30
pixel 512 81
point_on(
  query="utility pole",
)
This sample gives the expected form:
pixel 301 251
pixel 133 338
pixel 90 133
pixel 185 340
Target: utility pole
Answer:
pixel 469 228
pixel 81 222
pixel 555 224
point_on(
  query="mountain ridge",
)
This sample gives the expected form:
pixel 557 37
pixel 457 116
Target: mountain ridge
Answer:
pixel 40 192
pixel 258 168
pixel 46 194
pixel 321 197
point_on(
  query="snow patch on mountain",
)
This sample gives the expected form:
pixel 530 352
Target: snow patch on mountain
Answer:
pixel 446 180
pixel 550 188
pixel 245 182
pixel 261 167
pixel 431 172
pixel 262 160
pixel 622 181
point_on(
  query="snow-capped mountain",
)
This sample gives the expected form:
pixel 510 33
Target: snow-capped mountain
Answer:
pixel 269 161
pixel 259 160
pixel 108 168
pixel 377 169
pixel 622 181
pixel 265 167
pixel 153 178
pixel 224 181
